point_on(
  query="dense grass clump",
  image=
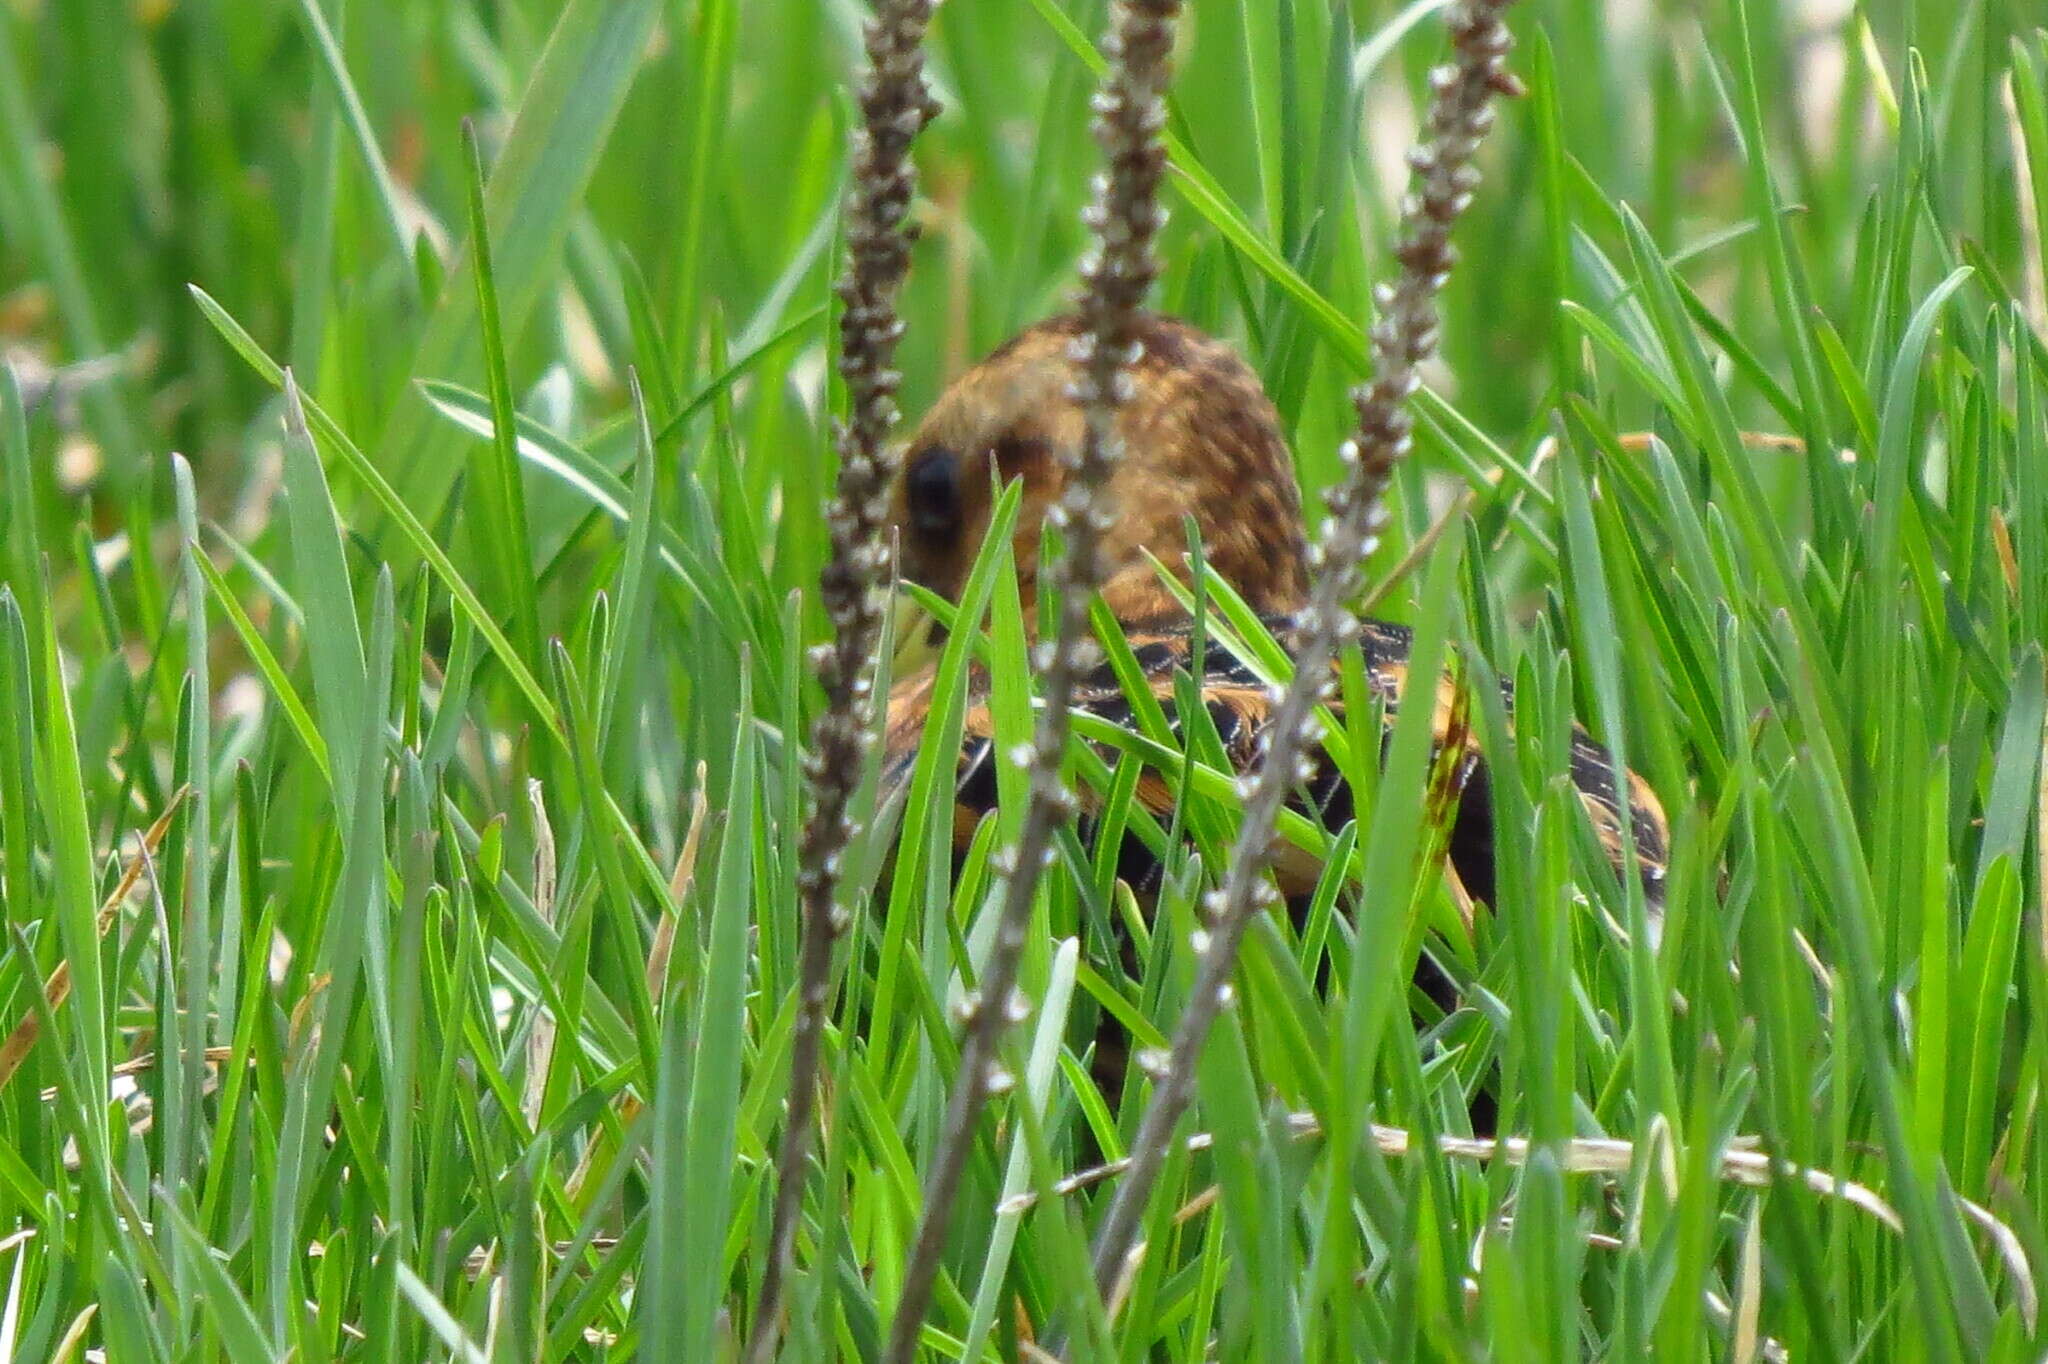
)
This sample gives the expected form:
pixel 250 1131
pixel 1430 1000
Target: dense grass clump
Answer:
pixel 400 786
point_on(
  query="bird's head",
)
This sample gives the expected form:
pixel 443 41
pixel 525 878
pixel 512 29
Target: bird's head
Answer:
pixel 1199 439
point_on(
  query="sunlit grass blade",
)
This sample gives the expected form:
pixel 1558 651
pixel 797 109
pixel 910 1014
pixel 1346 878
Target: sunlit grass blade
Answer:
pixel 415 532
pixel 333 638
pixel 498 488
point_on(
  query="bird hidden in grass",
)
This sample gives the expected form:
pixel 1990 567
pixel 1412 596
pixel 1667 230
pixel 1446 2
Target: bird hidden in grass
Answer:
pixel 1201 442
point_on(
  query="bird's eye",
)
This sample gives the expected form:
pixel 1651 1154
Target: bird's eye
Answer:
pixel 932 489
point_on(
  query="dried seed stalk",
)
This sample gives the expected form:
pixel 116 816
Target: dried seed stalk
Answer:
pixel 1460 113
pixel 895 106
pixel 1125 217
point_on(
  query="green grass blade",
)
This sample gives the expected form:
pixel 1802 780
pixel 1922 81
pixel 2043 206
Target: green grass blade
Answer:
pixel 564 117
pixel 387 497
pixel 498 487
pixel 383 188
pixel 333 639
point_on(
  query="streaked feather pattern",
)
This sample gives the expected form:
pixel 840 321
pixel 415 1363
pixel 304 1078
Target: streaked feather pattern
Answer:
pixel 1239 704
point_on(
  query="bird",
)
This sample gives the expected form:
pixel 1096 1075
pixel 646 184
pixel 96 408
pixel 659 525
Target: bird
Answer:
pixel 1200 442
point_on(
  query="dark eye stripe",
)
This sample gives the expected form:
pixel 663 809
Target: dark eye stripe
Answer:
pixel 932 489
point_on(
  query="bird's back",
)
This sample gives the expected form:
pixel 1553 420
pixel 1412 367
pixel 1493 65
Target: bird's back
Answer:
pixel 1239 704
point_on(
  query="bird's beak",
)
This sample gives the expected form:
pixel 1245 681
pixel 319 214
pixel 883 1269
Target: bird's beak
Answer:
pixel 917 639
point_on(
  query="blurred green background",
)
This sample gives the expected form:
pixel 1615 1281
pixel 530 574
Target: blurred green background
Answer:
pixel 149 146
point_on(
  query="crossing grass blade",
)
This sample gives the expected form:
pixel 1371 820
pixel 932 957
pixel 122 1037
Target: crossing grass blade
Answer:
pixel 563 119
pixel 414 531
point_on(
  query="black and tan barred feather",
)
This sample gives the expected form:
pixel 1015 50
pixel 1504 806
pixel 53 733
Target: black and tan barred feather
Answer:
pixel 1239 705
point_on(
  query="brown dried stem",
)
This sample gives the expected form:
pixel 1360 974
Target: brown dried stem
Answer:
pixel 895 106
pixel 1460 114
pixel 1742 1160
pixel 1125 217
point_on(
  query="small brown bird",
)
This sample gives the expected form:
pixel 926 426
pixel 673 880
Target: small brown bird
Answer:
pixel 1200 440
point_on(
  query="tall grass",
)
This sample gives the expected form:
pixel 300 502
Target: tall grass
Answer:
pixel 398 825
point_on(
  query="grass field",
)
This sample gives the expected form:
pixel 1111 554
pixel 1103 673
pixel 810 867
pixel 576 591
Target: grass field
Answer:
pixel 398 825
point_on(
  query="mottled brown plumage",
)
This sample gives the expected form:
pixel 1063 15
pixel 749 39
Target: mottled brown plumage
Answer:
pixel 1202 441
pixel 1199 438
